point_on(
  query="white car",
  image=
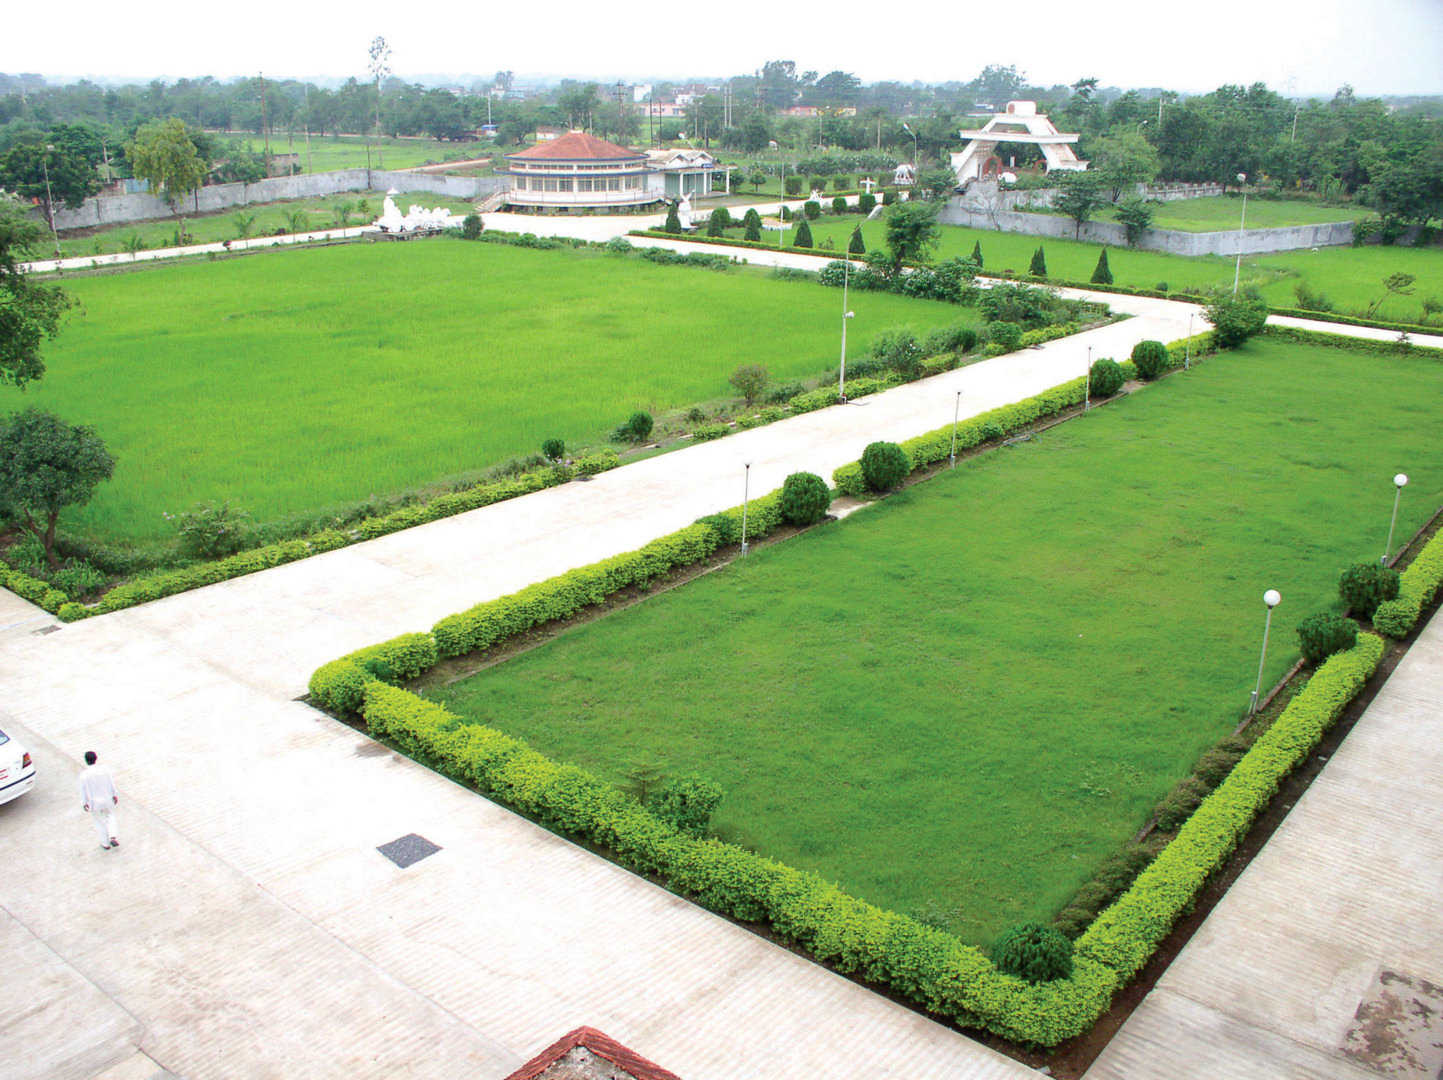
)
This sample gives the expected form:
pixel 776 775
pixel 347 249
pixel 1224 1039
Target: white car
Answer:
pixel 17 770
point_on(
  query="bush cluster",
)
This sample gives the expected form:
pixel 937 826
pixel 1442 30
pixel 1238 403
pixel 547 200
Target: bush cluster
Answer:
pixel 1364 586
pixel 1106 377
pixel 884 466
pixel 1150 358
pixel 1325 633
pixel 686 803
pixel 1034 952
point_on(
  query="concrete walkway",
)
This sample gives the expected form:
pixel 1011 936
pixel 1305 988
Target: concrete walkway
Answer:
pixel 1324 961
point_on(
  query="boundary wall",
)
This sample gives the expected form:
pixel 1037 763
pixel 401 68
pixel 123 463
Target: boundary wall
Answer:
pixel 961 211
pixel 143 206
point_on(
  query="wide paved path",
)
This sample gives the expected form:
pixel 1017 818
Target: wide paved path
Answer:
pixel 1324 961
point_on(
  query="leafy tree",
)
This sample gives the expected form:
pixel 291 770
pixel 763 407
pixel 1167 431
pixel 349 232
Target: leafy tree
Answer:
pixel 23 171
pixel 244 224
pixel 163 153
pixel 856 245
pixel 472 226
pixel 1236 318
pixel 977 253
pixel 296 221
pixel 45 466
pixel 803 239
pixel 1102 274
pixel 756 179
pixel 750 380
pixel 1135 215
pixel 1124 160
pixel 1038 268
pixel 28 312
pixel 1080 197
pixel 719 222
pixel 673 220
pixel 937 183
pixel 912 230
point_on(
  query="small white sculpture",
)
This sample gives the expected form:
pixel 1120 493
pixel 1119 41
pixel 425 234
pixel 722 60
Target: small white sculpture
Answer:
pixel 683 211
pixel 868 184
pixel 816 196
pixel 416 219
pixel 904 174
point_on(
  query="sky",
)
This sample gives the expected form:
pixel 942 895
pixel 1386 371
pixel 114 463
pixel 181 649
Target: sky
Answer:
pixel 1295 46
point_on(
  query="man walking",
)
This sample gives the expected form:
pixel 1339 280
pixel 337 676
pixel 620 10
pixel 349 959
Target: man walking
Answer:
pixel 97 792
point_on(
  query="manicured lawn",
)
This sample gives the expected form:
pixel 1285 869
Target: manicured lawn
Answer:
pixel 289 381
pixel 958 702
pixel 1351 277
pixel 270 218
pixel 331 152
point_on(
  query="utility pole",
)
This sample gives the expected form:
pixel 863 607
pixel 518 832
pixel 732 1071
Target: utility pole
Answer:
pixel 265 126
pixel 307 94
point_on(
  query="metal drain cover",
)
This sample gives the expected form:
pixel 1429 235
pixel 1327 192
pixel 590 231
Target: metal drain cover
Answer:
pixel 408 850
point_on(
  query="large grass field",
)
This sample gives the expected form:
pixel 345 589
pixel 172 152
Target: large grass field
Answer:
pixel 270 219
pixel 961 700
pixel 331 152
pixel 1351 277
pixel 289 381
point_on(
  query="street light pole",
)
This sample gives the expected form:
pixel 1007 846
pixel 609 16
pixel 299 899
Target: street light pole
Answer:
pixel 1399 482
pixel 1271 598
pixel 912 133
pixel 1242 225
pixel 956 413
pixel 746 494
pixel 842 369
pixel 1187 353
pixel 1087 383
pixel 49 199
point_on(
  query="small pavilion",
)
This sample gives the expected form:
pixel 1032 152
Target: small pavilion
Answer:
pixel 1021 123
pixel 580 171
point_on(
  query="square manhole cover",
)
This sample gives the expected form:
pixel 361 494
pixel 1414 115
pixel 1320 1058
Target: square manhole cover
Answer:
pixel 408 850
pixel 1398 1028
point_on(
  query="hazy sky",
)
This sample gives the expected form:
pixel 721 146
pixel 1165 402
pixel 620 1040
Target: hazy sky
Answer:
pixel 1306 46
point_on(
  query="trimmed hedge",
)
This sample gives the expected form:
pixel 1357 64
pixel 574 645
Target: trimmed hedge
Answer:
pixel 1417 586
pixel 1125 936
pixel 36 591
pixel 1344 341
pixel 145 589
pixel 1355 320
pixel 936 445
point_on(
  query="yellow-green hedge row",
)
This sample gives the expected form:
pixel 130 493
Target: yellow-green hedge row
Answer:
pixel 1417 586
pixel 33 589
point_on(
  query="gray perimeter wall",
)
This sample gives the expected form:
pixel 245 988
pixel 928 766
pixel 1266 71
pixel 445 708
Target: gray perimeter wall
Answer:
pixel 963 211
pixel 118 209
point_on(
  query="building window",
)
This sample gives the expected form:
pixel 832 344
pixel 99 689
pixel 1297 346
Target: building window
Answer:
pixel 565 183
pixel 583 183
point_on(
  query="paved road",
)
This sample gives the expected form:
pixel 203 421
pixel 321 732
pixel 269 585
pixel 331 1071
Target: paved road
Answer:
pixel 1347 889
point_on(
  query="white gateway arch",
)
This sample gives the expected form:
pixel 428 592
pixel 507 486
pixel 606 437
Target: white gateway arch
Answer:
pixel 1021 123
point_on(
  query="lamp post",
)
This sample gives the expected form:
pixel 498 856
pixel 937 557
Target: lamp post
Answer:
pixel 781 210
pixel 1087 383
pixel 49 200
pixel 1242 225
pixel 1187 354
pixel 746 494
pixel 842 369
pixel 1271 598
pixel 912 133
pixel 1399 483
pixel 956 413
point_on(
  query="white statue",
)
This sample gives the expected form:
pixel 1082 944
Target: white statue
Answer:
pixel 868 184
pixel 904 174
pixel 683 211
pixel 416 219
pixel 816 196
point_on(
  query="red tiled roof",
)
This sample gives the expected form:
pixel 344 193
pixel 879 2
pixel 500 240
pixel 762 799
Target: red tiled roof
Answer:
pixel 576 146
pixel 599 1044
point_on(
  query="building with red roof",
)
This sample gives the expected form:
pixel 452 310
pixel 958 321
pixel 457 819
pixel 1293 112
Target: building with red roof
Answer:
pixel 578 171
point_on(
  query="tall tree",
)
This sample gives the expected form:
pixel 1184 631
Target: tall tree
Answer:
pixel 1080 196
pixel 912 230
pixel 29 312
pixel 163 153
pixel 1123 160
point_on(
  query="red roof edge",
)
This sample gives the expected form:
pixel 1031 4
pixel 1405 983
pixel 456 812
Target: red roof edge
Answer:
pixel 600 1044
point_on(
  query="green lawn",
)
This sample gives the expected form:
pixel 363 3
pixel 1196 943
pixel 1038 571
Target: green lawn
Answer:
pixel 331 152
pixel 270 218
pixel 961 700
pixel 288 381
pixel 1351 277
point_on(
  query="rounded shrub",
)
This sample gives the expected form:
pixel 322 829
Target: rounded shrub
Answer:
pixel 636 429
pixel 866 203
pixel 1107 377
pixel 1033 952
pixel 1323 634
pixel 884 466
pixel 805 498
pixel 553 449
pixel 1005 335
pixel 1150 359
pixel 472 226
pixel 839 205
pixel 687 802
pixel 812 209
pixel 1366 585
